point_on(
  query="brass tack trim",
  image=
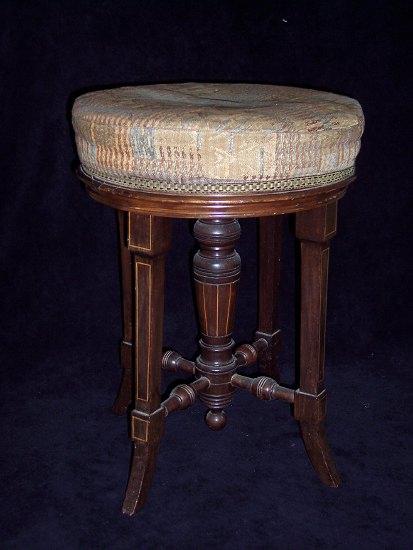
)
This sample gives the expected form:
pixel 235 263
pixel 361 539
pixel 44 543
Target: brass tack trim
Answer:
pixel 219 187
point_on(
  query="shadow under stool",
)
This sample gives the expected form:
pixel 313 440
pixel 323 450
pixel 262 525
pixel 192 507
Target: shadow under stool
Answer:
pixel 215 153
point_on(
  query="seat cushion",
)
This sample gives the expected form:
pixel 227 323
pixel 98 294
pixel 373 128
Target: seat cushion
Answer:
pixel 217 138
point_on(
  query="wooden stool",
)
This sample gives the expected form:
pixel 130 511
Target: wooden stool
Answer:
pixel 217 152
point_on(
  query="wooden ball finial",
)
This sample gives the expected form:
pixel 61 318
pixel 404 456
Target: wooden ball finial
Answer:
pixel 216 420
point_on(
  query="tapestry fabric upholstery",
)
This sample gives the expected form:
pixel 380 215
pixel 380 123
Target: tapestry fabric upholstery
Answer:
pixel 217 138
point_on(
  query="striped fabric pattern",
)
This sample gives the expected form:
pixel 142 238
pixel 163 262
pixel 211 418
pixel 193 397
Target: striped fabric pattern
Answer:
pixel 217 138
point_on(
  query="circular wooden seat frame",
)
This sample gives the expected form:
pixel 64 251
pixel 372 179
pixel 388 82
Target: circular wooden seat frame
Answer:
pixel 145 238
pixel 174 205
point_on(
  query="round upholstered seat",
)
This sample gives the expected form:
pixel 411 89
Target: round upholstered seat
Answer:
pixel 217 138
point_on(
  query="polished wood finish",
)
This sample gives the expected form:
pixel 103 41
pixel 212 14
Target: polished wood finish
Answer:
pixel 174 362
pixel 145 238
pixel 217 268
pixel 149 239
pixel 270 245
pixel 124 397
pixel 184 395
pixel 213 206
pixel 314 229
pixel 263 387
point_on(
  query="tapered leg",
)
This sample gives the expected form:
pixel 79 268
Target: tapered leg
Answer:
pixel 270 242
pixel 314 229
pixel 124 397
pixel 148 239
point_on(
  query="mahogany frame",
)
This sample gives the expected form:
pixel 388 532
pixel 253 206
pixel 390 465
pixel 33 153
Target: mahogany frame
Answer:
pixel 145 236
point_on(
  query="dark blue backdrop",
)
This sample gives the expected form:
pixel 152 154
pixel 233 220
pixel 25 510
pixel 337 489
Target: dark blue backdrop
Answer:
pixel 65 456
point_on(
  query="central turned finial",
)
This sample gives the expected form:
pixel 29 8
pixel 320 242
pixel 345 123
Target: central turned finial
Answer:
pixel 216 420
pixel 217 267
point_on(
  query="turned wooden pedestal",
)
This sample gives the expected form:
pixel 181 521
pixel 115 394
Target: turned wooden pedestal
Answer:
pixel 145 236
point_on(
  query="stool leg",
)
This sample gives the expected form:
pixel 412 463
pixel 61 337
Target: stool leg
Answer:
pixel 314 229
pixel 148 238
pixel 124 397
pixel 270 242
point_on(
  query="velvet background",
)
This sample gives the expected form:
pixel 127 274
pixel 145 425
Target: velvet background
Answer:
pixel 64 455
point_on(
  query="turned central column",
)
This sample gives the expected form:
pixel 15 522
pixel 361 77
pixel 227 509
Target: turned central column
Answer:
pixel 217 268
